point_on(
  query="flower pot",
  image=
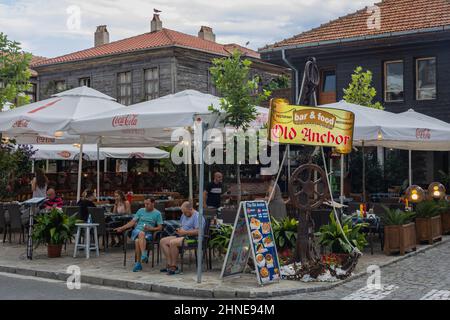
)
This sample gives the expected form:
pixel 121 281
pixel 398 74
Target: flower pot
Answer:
pixel 428 229
pixel 445 220
pixel 54 250
pixel 399 238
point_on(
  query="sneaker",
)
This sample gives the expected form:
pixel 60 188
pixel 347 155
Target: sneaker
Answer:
pixel 166 269
pixel 171 272
pixel 144 258
pixel 137 267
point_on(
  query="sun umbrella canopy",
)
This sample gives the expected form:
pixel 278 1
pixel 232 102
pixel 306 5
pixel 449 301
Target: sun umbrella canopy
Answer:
pixel 53 115
pixel 71 152
pixel 155 119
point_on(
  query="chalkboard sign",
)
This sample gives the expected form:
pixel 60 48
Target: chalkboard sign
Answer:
pixel 253 236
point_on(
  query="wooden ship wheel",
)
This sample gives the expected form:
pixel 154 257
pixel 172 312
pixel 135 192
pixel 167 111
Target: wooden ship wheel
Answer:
pixel 308 189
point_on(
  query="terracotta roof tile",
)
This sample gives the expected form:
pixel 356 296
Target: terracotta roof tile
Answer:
pixel 396 16
pixel 163 38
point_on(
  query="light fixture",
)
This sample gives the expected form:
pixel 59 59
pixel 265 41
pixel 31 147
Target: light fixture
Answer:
pixel 436 190
pixel 380 135
pixel 77 145
pixel 59 134
pixel 415 194
pixel 5 140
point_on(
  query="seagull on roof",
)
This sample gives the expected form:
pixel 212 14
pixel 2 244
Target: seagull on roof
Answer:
pixel 156 10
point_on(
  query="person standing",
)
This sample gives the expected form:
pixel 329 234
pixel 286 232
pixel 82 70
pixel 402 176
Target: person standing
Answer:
pixel 213 192
pixel 39 184
pixel 86 202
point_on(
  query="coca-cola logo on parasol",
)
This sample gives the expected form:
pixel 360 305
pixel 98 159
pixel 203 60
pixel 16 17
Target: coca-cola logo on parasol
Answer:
pixel 129 120
pixel 424 134
pixel 21 124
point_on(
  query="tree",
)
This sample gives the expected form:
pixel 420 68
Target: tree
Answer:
pixel 14 73
pixel 239 94
pixel 360 90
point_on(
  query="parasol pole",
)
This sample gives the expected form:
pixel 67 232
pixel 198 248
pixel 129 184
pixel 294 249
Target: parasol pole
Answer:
pixel 410 166
pixel 80 169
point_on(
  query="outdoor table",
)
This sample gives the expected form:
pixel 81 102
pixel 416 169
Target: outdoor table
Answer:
pixel 374 226
pixel 87 239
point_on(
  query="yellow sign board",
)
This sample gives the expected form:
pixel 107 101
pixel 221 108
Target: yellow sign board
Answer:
pixel 315 126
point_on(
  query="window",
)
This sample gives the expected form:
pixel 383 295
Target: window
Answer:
pixel 426 79
pixel 393 81
pixel 32 93
pixel 60 85
pixel 329 81
pixel 124 88
pixel 85 82
pixel 151 83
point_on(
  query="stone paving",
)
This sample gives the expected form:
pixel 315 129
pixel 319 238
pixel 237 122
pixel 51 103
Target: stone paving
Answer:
pixel 424 276
pixel 108 270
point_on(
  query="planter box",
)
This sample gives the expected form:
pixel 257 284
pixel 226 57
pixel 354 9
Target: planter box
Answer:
pixel 428 229
pixel 445 222
pixel 399 238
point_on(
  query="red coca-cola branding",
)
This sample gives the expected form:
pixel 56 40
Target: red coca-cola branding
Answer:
pixel 21 124
pixel 43 140
pixel 423 134
pixel 65 154
pixel 129 120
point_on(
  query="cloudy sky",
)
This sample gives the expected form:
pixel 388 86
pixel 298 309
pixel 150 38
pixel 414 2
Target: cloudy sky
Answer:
pixel 54 27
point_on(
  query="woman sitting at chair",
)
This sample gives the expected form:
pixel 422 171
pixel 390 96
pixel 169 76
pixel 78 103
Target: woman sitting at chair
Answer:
pixel 170 245
pixel 121 206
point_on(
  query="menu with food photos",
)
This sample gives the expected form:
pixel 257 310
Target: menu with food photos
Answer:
pixel 263 242
pixel 252 236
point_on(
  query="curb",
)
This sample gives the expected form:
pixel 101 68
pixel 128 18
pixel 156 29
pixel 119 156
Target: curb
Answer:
pixel 201 293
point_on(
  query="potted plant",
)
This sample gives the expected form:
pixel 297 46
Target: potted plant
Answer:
pixel 220 238
pixel 285 235
pixel 428 221
pixel 445 215
pixel 53 229
pixel 332 237
pixel 399 231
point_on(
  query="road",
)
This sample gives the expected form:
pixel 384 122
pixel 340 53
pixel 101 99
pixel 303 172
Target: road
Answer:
pixel 424 276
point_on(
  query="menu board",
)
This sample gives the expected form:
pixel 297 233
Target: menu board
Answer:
pixel 263 241
pixel 239 247
pixel 252 236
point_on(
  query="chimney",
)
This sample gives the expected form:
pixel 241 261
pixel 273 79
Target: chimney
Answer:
pixel 156 24
pixel 206 33
pixel 101 36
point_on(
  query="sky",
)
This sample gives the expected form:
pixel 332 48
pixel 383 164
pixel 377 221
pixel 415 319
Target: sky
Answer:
pixel 52 28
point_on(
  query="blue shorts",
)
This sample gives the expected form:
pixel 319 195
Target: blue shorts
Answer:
pixel 135 235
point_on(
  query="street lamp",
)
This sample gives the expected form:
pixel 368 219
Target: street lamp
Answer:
pixel 436 190
pixel 415 194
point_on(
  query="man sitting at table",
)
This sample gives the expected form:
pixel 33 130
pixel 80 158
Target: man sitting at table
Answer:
pixel 146 221
pixel 52 200
pixel 170 245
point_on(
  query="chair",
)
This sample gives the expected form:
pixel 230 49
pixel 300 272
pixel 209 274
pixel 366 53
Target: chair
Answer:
pixel 15 221
pixel 228 215
pixel 3 224
pixel 71 210
pixel 149 246
pixel 98 216
pixel 189 245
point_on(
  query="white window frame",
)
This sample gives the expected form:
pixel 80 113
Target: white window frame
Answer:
pixel 81 81
pixel 127 99
pixel 155 94
pixel 386 78
pixel 417 78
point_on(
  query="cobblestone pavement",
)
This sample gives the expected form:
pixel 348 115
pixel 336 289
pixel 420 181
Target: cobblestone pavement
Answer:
pixel 424 276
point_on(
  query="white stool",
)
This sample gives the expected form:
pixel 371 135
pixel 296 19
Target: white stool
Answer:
pixel 87 238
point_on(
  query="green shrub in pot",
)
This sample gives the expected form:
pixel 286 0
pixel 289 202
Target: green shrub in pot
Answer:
pixel 427 209
pixel 396 217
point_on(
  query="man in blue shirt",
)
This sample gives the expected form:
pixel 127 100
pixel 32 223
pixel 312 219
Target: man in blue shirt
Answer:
pixel 170 245
pixel 146 221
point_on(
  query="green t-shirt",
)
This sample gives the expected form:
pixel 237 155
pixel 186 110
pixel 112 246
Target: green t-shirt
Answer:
pixel 151 219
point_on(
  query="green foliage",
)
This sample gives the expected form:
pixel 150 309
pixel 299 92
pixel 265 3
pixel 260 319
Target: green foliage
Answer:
pixel 445 179
pixel 374 173
pixel 331 235
pixel 220 238
pixel 54 227
pixel 396 217
pixel 281 82
pixel 14 166
pixel 360 90
pixel 232 80
pixel 427 209
pixel 444 206
pixel 14 72
pixel 285 233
